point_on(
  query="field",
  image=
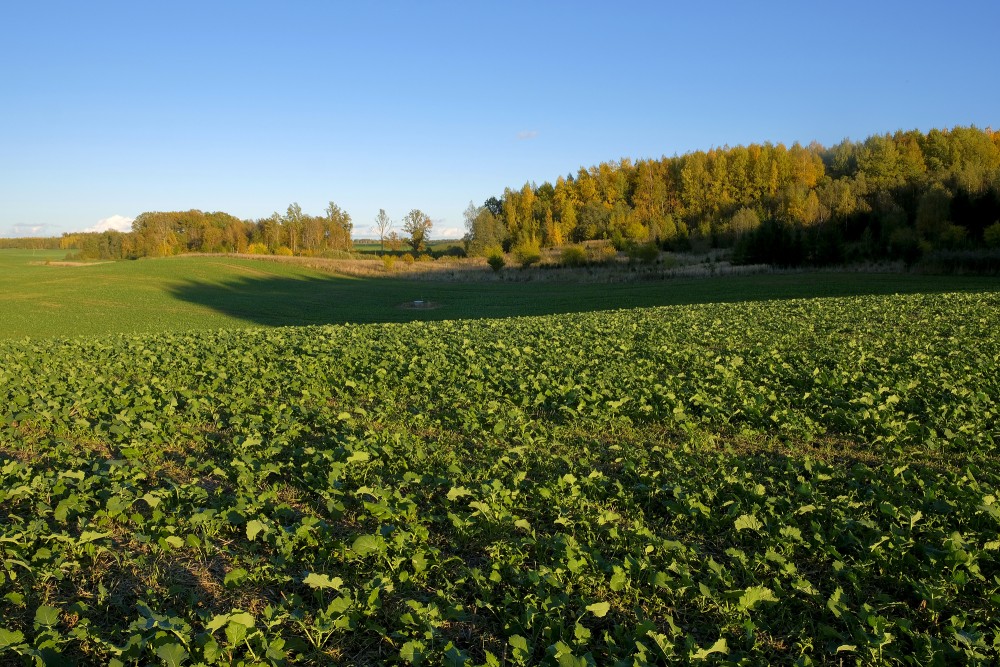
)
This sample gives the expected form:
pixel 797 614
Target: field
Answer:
pixel 202 293
pixel 770 481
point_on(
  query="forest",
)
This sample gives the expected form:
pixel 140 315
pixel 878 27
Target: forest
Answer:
pixel 894 196
pixel 900 196
pixel 159 234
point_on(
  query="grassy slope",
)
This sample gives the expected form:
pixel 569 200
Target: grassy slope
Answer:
pixel 186 293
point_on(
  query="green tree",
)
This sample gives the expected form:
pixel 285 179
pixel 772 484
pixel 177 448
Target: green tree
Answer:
pixel 338 228
pixel 933 213
pixel 417 225
pixel 485 231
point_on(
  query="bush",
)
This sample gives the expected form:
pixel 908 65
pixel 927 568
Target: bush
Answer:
pixel 992 235
pixel 284 251
pixel 574 255
pixel 408 258
pixel 496 261
pixel 643 252
pixel 905 244
pixel 257 249
pixel 388 261
pixel 952 237
pixel 527 253
pixel 603 254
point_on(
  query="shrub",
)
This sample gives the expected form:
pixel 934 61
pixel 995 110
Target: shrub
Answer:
pixel 952 236
pixel 408 258
pixel 603 254
pixel 643 252
pixel 257 249
pixel 527 253
pixel 284 251
pixel 496 261
pixel 992 235
pixel 388 261
pixel 574 255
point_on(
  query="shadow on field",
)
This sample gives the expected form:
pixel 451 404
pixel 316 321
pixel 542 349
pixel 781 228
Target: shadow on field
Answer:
pixel 282 301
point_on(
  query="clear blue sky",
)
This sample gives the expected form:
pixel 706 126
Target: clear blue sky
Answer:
pixel 117 108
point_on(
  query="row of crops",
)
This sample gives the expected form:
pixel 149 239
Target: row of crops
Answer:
pixel 807 482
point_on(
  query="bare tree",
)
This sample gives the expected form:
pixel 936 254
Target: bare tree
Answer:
pixel 383 225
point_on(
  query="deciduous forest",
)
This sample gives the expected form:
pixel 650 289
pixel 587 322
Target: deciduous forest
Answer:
pixel 893 196
pixel 889 196
pixel 158 234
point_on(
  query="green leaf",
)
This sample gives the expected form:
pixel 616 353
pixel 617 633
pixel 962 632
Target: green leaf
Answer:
pixel 10 638
pixel 366 544
pixel 718 647
pixel 321 581
pixel 618 579
pixel 91 536
pixel 599 609
pixel 212 651
pixel 218 622
pixel 172 655
pixel 458 492
pixel 358 457
pixel 174 541
pixel 412 652
pixel 234 577
pixel 243 618
pixel 255 528
pixel 754 595
pixel 748 522
pixel 46 616
pixel 518 642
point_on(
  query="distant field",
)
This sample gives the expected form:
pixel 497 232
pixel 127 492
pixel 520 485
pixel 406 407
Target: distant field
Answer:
pixel 191 293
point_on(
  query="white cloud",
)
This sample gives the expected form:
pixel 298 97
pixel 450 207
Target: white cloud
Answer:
pixel 524 135
pixel 116 223
pixel 22 229
pixel 446 233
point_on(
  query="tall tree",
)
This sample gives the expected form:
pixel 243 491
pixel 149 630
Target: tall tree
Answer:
pixel 383 225
pixel 338 228
pixel 418 225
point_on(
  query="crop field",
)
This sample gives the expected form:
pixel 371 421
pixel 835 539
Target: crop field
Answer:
pixel 802 481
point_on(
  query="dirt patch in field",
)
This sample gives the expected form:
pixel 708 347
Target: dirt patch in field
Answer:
pixel 419 304
pixel 66 263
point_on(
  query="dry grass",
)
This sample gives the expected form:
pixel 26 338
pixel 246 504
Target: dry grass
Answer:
pixel 549 269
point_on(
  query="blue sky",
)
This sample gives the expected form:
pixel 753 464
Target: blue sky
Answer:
pixel 111 109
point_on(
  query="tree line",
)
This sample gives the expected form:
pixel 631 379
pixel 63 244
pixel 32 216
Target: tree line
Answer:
pixel 163 233
pixel 890 196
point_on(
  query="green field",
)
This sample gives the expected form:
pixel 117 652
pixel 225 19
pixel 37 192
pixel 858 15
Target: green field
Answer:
pixel 191 293
pixel 750 478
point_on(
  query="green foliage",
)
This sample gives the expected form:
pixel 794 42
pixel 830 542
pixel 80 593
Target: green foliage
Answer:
pixel 417 225
pixel 761 482
pixel 991 235
pixel 922 182
pixel 574 255
pixel 527 252
pixel 646 253
pixel 496 260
